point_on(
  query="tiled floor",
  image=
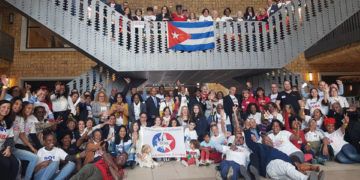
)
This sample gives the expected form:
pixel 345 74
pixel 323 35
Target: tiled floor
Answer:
pixel 175 170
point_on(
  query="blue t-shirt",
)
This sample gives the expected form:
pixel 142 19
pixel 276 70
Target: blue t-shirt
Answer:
pixel 209 144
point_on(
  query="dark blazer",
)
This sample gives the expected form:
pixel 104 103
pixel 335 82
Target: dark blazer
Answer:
pixel 193 100
pixel 160 17
pixel 132 111
pixel 118 8
pixel 135 18
pixel 228 105
pixel 151 109
pixel 105 131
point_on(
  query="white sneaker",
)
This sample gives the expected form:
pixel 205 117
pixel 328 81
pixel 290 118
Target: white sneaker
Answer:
pixel 184 163
pixel 197 162
pixel 230 173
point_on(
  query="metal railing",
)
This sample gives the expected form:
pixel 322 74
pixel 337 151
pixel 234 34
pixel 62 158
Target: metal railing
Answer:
pixel 105 35
pixel 347 33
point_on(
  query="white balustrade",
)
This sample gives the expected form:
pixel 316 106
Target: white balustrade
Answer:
pixel 107 36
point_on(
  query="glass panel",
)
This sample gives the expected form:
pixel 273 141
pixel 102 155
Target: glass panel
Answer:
pixel 40 37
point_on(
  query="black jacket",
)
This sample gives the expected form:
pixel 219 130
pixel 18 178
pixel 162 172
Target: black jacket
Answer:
pixel 106 129
pixel 152 109
pixel 132 111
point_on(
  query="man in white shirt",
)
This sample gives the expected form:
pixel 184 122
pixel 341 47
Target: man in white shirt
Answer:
pixel 237 158
pixel 274 92
pixel 150 14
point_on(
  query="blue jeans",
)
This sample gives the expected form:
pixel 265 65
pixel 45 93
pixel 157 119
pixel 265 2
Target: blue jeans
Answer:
pixel 225 166
pixel 348 155
pixel 50 171
pixel 24 155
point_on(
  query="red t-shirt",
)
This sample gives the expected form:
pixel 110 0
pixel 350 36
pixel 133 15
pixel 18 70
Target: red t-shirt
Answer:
pixel 301 141
pixel 177 17
pixel 105 170
pixel 246 102
pixel 261 102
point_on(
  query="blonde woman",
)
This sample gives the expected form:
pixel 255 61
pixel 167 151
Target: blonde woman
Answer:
pixel 100 107
pixel 184 117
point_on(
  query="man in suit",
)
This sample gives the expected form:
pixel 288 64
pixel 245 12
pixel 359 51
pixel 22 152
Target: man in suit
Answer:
pixel 110 130
pixel 116 6
pixel 197 99
pixel 152 106
pixel 230 101
pixel 136 108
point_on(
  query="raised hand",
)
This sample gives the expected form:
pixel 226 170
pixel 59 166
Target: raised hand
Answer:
pixel 339 82
pixel 127 80
pixel 235 109
pixel 4 80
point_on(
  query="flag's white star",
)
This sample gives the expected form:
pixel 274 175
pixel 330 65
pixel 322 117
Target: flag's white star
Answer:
pixel 164 142
pixel 175 35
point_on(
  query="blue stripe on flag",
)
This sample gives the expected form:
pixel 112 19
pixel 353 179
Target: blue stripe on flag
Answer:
pixel 199 47
pixel 193 24
pixel 202 35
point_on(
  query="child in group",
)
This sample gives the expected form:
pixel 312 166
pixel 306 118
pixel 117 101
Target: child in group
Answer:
pixel 166 117
pixel 157 123
pixel 193 154
pixel 207 147
pixel 190 134
pixel 174 123
pixel 145 158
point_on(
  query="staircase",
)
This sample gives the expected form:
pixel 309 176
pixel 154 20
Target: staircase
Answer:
pixel 111 39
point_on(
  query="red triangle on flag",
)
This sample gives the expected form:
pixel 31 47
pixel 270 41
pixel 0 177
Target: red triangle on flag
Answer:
pixel 176 35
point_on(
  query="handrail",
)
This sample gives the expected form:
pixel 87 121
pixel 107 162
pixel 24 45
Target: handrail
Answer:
pixel 346 33
pixel 114 40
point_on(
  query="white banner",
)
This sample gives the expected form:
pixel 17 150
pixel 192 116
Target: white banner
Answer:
pixel 165 142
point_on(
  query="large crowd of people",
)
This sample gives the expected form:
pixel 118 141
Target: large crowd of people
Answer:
pixel 183 14
pixel 64 134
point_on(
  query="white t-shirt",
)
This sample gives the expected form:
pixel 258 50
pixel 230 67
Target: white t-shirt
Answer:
pixel 312 104
pixel 5 133
pixel 273 97
pixel 307 120
pixel 234 100
pixel 336 140
pixel 312 136
pixel 225 18
pixel 56 154
pixel 241 156
pixel 189 135
pixel 219 140
pixel 59 104
pixel 18 127
pixel 281 141
pixel 111 133
pixel 137 110
pixel 256 116
pixel 278 117
pixel 342 100
pixel 150 18
pixel 207 18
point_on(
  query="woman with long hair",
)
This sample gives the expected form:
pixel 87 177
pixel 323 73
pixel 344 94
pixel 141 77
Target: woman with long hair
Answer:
pixel 8 162
pixel 21 138
pixel 202 125
pixel 120 109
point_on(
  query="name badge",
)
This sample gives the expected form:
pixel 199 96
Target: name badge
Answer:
pixel 283 97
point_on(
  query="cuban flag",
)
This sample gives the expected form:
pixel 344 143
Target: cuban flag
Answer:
pixel 191 36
